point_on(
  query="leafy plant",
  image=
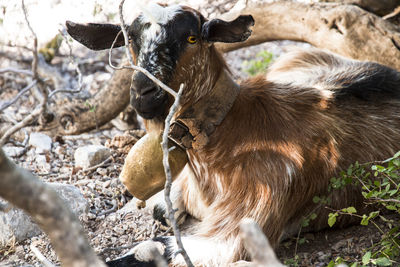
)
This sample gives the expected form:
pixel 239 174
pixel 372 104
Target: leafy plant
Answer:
pixel 380 183
pixel 260 64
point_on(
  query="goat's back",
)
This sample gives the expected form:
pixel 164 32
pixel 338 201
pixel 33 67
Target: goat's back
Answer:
pixel 288 134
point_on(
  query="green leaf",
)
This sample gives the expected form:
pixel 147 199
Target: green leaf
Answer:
pixel 382 261
pixel 305 223
pixel 331 264
pixel 364 220
pixel 351 210
pixel 349 171
pixel 316 199
pixel 313 216
pixel 392 192
pixel 373 214
pixel 332 219
pixel 366 258
pixel 387 188
pixel 391 207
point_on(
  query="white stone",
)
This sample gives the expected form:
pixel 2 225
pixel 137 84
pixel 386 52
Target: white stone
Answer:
pixel 88 156
pixel 40 141
pixel 12 151
pixel 42 163
pixel 16 225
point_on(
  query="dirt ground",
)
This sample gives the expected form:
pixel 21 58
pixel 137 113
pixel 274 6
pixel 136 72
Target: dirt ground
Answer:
pixel 113 223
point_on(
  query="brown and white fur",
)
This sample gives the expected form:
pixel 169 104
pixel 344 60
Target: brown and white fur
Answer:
pixel 288 132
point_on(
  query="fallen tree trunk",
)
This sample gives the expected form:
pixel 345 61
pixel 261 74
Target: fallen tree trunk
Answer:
pixel 27 192
pixel 82 116
pixel 378 7
pixel 344 29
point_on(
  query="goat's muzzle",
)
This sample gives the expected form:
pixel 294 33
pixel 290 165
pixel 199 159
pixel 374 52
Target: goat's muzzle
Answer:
pixel 148 99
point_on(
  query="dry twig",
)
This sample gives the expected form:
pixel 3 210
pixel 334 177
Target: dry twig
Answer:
pixel 21 93
pixel 25 72
pixel 43 105
pixel 262 254
pixel 164 143
pixel 40 256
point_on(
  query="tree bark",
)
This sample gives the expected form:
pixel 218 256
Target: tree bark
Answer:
pixel 82 116
pixel 27 192
pixel 378 7
pixel 344 29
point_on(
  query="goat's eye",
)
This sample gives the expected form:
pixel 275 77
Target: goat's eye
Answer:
pixel 192 39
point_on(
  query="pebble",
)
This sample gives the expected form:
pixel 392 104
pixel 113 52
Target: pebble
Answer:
pixel 41 142
pixel 88 156
pixel 42 163
pixel 13 151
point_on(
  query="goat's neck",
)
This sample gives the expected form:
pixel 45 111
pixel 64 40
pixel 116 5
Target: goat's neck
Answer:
pixel 202 117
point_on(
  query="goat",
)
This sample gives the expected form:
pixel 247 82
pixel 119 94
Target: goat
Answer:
pixel 282 139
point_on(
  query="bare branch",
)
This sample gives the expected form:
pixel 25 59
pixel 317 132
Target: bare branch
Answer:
pixel 104 162
pixel 25 72
pixel 26 121
pixel 168 175
pixel 43 105
pixel 25 191
pixel 342 29
pixel 393 14
pixel 21 93
pixel 257 244
pixel 35 42
pixel 164 143
pixel 40 256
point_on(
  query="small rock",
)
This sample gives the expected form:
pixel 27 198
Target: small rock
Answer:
pixel 16 225
pixel 40 141
pixel 42 163
pixel 102 171
pixel 72 196
pixel 60 151
pixel 106 184
pixel 13 151
pixel 88 156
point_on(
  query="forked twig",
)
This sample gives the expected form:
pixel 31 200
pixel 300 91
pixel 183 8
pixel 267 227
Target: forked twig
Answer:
pixel 43 105
pixel 164 143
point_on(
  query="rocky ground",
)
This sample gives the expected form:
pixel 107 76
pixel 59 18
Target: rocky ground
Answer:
pixel 106 209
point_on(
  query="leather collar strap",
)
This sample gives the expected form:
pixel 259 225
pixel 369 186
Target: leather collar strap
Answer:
pixel 192 128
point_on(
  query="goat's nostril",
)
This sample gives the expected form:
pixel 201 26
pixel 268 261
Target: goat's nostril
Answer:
pixel 147 90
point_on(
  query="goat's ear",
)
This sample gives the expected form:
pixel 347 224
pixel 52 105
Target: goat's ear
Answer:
pixel 96 36
pixel 238 30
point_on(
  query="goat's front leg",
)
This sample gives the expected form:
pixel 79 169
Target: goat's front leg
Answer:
pixel 159 207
